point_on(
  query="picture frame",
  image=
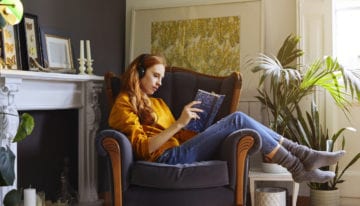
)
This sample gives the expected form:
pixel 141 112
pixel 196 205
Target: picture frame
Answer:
pixel 30 42
pixel 250 13
pixel 59 53
pixel 10 50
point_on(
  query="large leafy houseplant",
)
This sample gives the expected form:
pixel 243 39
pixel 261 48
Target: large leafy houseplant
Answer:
pixel 309 130
pixel 284 85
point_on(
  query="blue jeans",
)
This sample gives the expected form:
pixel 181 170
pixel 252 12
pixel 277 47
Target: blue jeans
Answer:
pixel 204 145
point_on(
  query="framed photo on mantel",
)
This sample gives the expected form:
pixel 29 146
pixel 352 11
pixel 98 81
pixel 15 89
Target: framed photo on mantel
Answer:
pixel 10 50
pixel 58 50
pixel 30 42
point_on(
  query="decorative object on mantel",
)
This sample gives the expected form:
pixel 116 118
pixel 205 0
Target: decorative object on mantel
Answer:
pixel 81 59
pixel 89 70
pixel 89 61
pixel 30 42
pixel 11 12
pixel 10 47
pixel 58 52
pixel 47 69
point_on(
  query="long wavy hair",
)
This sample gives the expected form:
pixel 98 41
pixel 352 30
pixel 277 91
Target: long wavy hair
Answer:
pixel 131 84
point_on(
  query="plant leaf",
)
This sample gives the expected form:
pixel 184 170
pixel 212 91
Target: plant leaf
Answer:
pixel 25 128
pixel 7 160
pixel 13 198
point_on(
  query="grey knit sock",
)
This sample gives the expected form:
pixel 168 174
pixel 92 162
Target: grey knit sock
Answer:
pixel 316 175
pixel 317 159
pixel 296 168
pixel 312 159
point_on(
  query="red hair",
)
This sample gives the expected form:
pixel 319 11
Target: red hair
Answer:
pixel 131 84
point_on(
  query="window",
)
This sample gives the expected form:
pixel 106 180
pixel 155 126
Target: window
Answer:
pixel 347 33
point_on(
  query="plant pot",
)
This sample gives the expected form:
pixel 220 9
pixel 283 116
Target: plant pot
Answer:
pixel 270 167
pixel 324 197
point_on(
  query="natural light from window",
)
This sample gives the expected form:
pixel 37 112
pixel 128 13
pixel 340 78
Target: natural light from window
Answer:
pixel 347 33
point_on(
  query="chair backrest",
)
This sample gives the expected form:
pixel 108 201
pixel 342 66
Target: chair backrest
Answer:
pixel 180 85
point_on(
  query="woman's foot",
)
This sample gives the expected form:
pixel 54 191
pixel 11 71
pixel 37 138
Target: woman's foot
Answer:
pixel 317 175
pixel 312 159
pixel 317 159
pixel 294 165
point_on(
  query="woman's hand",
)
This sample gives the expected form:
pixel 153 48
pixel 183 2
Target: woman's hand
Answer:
pixel 189 112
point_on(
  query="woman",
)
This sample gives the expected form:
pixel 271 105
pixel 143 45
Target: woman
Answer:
pixel 155 135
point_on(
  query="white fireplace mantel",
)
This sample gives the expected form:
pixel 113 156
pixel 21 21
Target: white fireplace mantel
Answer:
pixel 27 90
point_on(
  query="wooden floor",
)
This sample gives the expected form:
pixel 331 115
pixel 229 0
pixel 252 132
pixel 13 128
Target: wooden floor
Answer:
pixel 305 201
pixel 302 201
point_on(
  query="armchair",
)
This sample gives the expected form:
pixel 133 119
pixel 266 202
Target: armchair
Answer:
pixel 221 181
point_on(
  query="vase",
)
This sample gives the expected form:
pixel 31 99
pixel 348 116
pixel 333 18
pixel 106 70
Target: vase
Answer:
pixel 324 197
pixel 9 122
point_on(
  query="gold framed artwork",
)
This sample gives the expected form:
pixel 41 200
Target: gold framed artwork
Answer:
pixel 9 48
pixel 208 45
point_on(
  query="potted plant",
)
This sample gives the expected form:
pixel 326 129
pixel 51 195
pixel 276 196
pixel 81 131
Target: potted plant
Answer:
pixel 311 132
pixel 288 84
pixel 10 121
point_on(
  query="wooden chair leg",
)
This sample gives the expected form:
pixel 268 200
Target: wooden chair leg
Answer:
pixel 113 150
pixel 243 148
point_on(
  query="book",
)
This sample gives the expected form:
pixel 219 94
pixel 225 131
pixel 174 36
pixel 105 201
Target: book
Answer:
pixel 210 104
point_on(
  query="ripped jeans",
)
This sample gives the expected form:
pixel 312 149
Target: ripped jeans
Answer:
pixel 204 145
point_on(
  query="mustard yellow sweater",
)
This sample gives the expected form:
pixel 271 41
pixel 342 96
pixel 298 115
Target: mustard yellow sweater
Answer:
pixel 124 119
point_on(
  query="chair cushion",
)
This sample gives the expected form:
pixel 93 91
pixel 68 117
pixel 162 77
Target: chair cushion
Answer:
pixel 195 175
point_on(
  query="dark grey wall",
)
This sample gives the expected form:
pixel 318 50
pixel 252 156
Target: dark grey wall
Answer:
pixel 55 135
pixel 101 22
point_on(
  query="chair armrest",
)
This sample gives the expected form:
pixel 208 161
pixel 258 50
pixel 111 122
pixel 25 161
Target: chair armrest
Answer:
pixel 117 147
pixel 236 149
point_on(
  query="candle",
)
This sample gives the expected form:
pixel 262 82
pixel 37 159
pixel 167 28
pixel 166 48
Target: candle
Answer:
pixel 329 145
pixel 29 197
pixel 88 52
pixel 81 49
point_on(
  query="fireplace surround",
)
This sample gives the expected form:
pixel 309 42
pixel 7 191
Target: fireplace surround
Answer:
pixel 27 90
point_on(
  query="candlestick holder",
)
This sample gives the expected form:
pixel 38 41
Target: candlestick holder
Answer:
pixel 81 66
pixel 89 68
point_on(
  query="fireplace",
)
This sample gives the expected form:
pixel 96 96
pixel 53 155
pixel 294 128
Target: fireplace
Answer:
pixel 49 151
pixel 62 93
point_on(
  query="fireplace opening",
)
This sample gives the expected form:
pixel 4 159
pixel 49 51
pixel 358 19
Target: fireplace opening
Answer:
pixel 51 149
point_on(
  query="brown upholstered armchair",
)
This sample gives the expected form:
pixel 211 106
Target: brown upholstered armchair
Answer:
pixel 219 181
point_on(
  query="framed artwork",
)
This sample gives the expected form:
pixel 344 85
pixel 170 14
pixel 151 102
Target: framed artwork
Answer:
pixel 211 38
pixel 58 52
pixel 10 47
pixel 30 42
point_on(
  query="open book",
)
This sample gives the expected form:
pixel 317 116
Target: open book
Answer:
pixel 210 103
